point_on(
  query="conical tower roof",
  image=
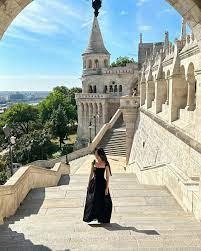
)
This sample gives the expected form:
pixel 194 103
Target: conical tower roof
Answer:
pixel 96 44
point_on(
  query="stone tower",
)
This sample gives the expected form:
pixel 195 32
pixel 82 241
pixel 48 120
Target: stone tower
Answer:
pixel 102 87
pixel 96 55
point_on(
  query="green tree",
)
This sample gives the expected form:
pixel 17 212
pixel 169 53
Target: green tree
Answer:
pixel 122 61
pixel 20 116
pixel 59 97
pixel 34 146
pixel 59 123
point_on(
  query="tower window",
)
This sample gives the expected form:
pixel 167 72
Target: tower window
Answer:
pixel 106 63
pixel 90 64
pixel 96 64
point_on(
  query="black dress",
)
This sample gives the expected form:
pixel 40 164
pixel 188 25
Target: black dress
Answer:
pixel 98 206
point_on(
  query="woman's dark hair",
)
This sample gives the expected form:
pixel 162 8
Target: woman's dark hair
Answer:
pixel 101 153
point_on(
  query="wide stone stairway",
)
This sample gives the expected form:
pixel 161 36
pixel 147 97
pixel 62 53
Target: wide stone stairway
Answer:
pixel 144 217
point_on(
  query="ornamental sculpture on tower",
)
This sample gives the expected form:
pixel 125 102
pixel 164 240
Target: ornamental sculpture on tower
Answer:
pixel 96 4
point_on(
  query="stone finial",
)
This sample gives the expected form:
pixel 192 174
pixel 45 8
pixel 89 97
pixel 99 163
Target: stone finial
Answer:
pixel 166 44
pixel 183 29
pixel 141 40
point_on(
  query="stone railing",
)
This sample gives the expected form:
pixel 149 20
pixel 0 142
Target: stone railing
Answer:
pixel 185 190
pixel 91 95
pixel 84 151
pixel 25 179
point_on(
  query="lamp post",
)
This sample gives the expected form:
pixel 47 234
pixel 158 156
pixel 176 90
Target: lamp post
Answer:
pixel 90 128
pixel 12 141
pixel 95 124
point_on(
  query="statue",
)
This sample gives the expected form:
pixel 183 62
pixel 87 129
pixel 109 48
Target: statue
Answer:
pixel 96 4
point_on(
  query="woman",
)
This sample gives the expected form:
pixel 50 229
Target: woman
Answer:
pixel 98 205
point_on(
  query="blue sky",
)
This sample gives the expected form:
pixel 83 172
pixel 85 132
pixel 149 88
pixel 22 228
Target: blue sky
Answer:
pixel 42 48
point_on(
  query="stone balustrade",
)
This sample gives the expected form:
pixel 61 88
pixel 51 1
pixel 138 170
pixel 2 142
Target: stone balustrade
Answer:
pixel 25 179
pixel 91 95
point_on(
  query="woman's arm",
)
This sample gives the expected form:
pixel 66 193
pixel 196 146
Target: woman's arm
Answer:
pixel 107 180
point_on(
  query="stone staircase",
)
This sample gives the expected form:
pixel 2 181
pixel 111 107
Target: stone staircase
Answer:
pixel 144 217
pixel 114 142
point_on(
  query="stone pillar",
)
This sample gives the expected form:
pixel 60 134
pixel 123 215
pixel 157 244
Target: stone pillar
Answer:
pixel 198 106
pixel 150 93
pixel 142 93
pixel 159 95
pixel 80 119
pixel 191 95
pixel 90 111
pixel 177 95
pixel 105 112
pixel 129 107
pixel 167 91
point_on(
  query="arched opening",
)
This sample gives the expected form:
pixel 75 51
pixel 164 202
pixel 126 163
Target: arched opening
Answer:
pixel 111 89
pixel 106 63
pixel 84 64
pixel 90 64
pixel 105 89
pixel 120 89
pixel 94 89
pixel 182 90
pixel 90 89
pixel 96 63
pixel 115 89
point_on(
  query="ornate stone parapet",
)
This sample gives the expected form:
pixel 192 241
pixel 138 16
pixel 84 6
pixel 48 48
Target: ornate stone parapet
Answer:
pixel 129 106
pixel 91 95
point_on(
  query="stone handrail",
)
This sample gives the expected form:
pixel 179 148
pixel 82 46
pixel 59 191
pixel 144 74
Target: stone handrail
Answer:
pixel 25 179
pixel 84 151
pixel 105 128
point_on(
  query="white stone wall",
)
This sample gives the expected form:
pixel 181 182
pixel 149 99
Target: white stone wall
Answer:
pixel 154 144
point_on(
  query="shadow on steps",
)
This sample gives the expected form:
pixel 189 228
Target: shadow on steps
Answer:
pixel 117 227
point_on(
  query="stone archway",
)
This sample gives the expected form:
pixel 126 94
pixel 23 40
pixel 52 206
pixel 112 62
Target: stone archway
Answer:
pixel 189 9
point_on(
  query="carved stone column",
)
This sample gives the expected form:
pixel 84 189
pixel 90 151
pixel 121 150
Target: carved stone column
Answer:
pixel 150 93
pixel 105 112
pixel 198 106
pixel 160 90
pixel 80 119
pixel 191 95
pixel 129 107
pixel 142 93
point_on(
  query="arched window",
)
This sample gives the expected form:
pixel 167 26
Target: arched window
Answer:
pixel 105 89
pixel 84 64
pixel 94 88
pixel 96 64
pixel 111 88
pixel 106 63
pixel 115 88
pixel 90 64
pixel 120 88
pixel 90 89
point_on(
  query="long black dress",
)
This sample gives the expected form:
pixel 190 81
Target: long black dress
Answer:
pixel 98 206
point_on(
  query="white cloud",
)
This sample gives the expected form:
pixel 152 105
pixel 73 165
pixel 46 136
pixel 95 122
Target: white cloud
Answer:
pixel 145 28
pixel 44 17
pixel 123 13
pixel 141 2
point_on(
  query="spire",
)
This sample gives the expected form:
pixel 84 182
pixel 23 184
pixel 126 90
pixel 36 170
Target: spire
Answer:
pixel 166 44
pixel 140 38
pixel 96 44
pixel 183 29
